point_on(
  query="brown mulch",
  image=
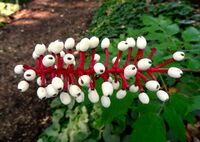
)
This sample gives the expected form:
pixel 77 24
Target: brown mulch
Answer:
pixel 23 116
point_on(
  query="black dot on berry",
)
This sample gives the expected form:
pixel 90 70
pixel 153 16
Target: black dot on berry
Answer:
pixel 101 70
pixel 150 62
pixel 51 58
pixel 133 68
pixel 78 94
pixel 69 58
pixel 82 82
pixel 59 89
pixel 157 86
pixel 182 54
pixel 28 75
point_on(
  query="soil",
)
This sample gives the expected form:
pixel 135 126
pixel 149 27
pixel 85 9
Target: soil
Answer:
pixel 23 116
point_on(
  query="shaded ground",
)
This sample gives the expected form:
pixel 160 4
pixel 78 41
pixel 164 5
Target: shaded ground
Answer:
pixel 24 116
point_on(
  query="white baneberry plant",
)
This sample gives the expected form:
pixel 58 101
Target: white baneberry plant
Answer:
pixel 67 80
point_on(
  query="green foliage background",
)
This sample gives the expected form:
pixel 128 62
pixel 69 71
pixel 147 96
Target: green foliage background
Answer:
pixel 168 26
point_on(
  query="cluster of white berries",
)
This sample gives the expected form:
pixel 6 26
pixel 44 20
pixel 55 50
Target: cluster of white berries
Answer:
pixel 59 64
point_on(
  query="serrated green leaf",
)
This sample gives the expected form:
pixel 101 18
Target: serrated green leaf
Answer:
pixel 175 123
pixel 149 128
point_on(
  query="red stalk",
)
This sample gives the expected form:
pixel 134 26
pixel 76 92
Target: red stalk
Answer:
pixel 117 59
pixel 82 60
pixel 165 63
pixel 158 70
pixel 65 82
pixel 153 50
pixel 124 82
pixel 71 79
pixel 136 57
pixel 151 75
pixel 107 58
pixel 59 65
pixel 138 83
pixel 129 56
pixel 141 53
pixel 142 76
pixel 92 61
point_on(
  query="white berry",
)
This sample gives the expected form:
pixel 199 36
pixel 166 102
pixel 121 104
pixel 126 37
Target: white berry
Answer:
pixel 69 59
pixel 99 68
pixel 121 94
pixel 29 75
pixel 35 56
pixel 84 80
pixel 174 72
pixel 19 69
pixel 97 57
pixel 41 93
pixel 48 60
pixel 84 44
pixel 152 85
pixel 105 43
pixel 131 42
pixel 107 88
pixel 51 91
pixel 23 86
pixel 122 46
pixel 105 101
pixel 65 98
pixel 56 47
pixel 162 95
pixel 178 56
pixel 144 98
pixel 93 96
pixel 144 64
pixel 115 84
pixel 133 88
pixel 40 49
pixel 141 42
pixel 57 83
pixel 80 98
pixel 130 71
pixel 94 42
pixel 74 90
pixel 69 43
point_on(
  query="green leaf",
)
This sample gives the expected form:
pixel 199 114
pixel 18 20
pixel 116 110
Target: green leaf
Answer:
pixel 172 29
pixel 191 34
pixel 149 128
pixel 118 108
pixel 179 103
pixel 175 123
pixel 195 104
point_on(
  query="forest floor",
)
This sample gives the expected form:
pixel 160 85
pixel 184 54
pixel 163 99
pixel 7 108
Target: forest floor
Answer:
pixel 23 116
